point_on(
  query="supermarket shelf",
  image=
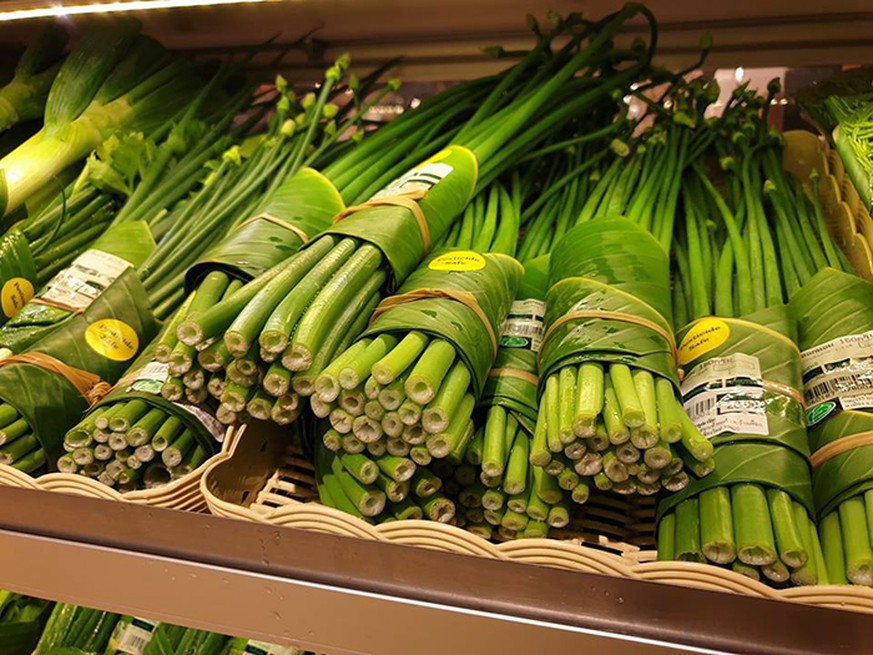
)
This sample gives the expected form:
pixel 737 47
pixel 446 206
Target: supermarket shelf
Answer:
pixel 341 595
pixel 442 39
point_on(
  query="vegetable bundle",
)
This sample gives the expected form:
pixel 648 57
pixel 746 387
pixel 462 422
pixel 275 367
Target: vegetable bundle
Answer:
pixel 835 315
pixel 21 622
pixel 608 401
pixel 46 389
pixel 406 389
pixel 755 512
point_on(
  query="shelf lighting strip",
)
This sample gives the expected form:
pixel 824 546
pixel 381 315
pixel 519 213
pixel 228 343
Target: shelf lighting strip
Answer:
pixel 61 11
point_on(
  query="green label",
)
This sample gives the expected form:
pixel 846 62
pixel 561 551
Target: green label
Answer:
pixel 514 342
pixel 819 412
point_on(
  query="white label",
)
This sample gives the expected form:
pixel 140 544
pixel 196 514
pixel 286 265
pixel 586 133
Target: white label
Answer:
pixel 263 648
pixel 726 394
pixel 840 370
pixel 423 178
pixel 86 278
pixel 212 425
pixel 150 378
pixel 132 638
pixel 523 327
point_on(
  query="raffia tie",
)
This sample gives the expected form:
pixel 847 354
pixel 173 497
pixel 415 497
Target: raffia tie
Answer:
pixel 467 299
pixel 611 316
pixel 840 446
pixel 90 386
pixel 408 200
pixel 527 376
pixel 277 221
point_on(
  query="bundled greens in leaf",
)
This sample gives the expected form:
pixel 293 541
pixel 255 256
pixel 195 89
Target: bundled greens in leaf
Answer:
pixel 608 379
pixel 45 390
pixel 743 389
pixel 406 389
pixel 835 316
pixel 21 622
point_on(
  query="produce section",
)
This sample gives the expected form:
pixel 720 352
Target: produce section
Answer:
pixel 581 312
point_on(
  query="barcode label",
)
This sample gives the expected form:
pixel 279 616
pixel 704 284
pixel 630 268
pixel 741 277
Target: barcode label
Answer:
pixel 726 394
pixel 87 277
pixel 132 638
pixel 150 378
pixel 423 178
pixel 523 327
pixel 838 374
pixel 212 425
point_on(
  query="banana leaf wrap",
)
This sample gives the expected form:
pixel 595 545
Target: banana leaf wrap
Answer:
pixel 609 266
pixel 766 340
pixel 71 290
pixel 490 280
pixel 512 380
pixel 17 274
pixel 746 461
pixel 836 306
pixel 102 341
pixel 441 186
pixel 143 380
pixel 298 210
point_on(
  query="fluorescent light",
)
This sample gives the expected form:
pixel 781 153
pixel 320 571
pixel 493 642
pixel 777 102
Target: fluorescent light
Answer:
pixel 111 7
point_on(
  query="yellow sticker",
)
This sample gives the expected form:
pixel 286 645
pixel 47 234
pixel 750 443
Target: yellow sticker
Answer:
pixel 16 293
pixel 705 335
pixel 439 156
pixel 113 339
pixel 463 260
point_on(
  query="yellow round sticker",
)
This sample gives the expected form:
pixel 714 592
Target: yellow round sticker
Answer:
pixel 16 293
pixel 113 339
pixel 705 335
pixel 462 260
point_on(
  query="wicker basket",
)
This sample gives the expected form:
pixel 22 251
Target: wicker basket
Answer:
pixel 182 493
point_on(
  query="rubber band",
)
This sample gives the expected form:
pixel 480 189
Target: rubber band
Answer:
pixel 527 376
pixel 840 446
pixel 57 305
pixel 462 297
pixel 406 200
pixel 89 385
pixel 275 220
pixel 785 390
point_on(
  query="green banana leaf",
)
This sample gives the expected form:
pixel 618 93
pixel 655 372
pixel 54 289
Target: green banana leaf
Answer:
pixel 102 340
pixel 130 242
pixel 769 336
pixel 520 337
pixel 308 201
pixel 145 384
pixel 834 304
pixel 492 279
pixel 609 265
pixel 768 465
pixel 17 273
pixel 451 177
pixel 847 474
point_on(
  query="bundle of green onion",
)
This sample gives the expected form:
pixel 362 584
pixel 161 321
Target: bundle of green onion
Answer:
pixel 405 391
pixel 499 495
pixel 608 403
pixel 47 389
pixel 835 315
